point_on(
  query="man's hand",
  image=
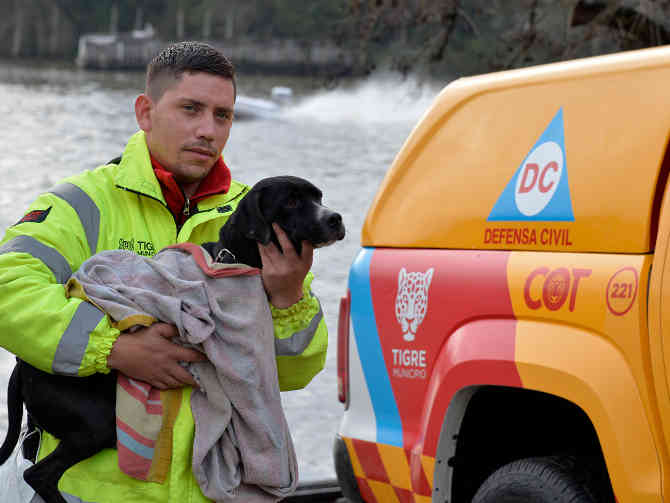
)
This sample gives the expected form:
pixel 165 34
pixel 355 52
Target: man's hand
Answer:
pixel 284 270
pixel 148 355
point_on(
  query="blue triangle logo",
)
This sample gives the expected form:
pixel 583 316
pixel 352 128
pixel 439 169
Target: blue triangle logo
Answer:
pixel 539 190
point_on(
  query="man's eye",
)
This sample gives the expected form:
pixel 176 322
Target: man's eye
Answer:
pixel 226 115
pixel 189 108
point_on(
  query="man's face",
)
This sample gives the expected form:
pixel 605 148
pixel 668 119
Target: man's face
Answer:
pixel 187 128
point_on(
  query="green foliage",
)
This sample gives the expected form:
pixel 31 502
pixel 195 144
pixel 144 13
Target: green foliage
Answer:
pixel 447 37
pixel 297 19
pixel 305 19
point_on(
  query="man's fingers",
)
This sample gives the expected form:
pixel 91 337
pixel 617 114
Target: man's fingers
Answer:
pixel 183 376
pixel 267 252
pixel 164 330
pixel 188 355
pixel 175 376
pixel 149 355
pixel 167 383
pixel 284 241
pixel 178 352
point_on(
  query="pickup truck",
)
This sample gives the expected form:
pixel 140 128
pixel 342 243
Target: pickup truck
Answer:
pixel 505 333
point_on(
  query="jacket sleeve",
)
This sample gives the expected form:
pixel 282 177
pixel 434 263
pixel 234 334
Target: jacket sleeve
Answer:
pixel 39 323
pixel 301 340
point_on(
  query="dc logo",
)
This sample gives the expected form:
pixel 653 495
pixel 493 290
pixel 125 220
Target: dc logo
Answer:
pixel 539 189
pixel 539 178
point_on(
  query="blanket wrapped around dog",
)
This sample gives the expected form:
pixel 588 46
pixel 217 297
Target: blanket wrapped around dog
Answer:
pixel 243 450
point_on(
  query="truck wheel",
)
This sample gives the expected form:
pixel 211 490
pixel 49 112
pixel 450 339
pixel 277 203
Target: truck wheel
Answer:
pixel 537 480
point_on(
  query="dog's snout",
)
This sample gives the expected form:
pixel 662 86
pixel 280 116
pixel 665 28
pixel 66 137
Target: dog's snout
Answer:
pixel 334 221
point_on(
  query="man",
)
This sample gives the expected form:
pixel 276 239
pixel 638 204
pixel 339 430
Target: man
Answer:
pixel 169 186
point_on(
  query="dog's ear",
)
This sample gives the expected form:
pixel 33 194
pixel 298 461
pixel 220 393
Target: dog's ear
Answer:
pixel 249 218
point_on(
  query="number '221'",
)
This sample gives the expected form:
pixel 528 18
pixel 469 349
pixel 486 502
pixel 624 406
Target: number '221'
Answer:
pixel 622 290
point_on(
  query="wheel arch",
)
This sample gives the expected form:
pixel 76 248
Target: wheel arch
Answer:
pixel 487 427
pixel 593 391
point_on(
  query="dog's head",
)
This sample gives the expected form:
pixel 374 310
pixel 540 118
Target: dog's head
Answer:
pixel 294 204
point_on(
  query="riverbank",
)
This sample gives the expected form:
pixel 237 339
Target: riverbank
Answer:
pixel 133 50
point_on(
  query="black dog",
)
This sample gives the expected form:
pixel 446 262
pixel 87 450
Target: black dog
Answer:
pixel 80 411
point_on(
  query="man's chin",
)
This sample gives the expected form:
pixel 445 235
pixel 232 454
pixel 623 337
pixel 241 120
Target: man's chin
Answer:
pixel 193 171
pixel 191 177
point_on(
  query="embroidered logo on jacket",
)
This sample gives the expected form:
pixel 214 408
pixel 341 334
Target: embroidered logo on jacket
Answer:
pixel 35 216
pixel 141 247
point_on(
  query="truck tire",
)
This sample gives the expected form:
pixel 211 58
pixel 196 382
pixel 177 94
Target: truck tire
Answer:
pixel 537 480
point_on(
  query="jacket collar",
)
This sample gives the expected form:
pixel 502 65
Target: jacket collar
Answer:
pixel 136 172
pixel 216 182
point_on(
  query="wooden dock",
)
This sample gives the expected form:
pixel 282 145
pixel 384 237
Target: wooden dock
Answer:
pixel 133 50
pixel 128 50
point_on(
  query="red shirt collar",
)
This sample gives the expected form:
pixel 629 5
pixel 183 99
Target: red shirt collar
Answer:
pixel 217 181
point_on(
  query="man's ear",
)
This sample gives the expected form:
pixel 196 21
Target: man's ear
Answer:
pixel 143 107
pixel 249 219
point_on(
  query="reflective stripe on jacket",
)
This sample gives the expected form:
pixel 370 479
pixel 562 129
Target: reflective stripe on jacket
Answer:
pixel 120 206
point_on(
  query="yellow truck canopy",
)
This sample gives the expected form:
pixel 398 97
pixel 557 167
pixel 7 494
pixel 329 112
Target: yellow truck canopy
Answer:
pixel 563 157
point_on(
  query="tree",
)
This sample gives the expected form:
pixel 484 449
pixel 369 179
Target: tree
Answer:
pixel 446 37
pixel 19 28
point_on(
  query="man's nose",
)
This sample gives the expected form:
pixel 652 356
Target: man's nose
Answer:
pixel 206 127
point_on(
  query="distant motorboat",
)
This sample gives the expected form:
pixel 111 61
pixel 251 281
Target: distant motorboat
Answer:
pixel 260 108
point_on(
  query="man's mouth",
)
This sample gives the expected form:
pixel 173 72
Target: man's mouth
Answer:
pixel 200 151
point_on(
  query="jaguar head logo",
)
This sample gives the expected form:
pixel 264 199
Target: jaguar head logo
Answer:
pixel 411 301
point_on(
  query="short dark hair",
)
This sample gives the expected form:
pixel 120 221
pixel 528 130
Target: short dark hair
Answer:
pixel 190 57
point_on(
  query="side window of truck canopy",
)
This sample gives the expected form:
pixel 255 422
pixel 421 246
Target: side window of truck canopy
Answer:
pixel 568 157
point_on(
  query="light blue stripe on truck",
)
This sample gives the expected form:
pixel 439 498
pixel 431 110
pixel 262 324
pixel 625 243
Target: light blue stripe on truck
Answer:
pixel 389 427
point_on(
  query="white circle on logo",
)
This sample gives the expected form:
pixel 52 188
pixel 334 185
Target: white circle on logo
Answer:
pixel 538 180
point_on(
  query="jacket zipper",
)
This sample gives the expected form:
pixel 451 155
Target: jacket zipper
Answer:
pixel 187 207
pixel 176 224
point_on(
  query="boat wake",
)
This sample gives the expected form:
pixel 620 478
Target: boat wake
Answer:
pixel 378 99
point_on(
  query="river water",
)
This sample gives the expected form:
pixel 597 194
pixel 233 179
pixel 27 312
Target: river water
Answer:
pixel 58 120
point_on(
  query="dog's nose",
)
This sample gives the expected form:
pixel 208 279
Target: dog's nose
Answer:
pixel 334 221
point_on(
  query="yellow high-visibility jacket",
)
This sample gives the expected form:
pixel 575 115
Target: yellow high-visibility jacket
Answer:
pixel 120 206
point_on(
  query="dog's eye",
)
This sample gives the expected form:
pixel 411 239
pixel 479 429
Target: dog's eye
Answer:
pixel 292 203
